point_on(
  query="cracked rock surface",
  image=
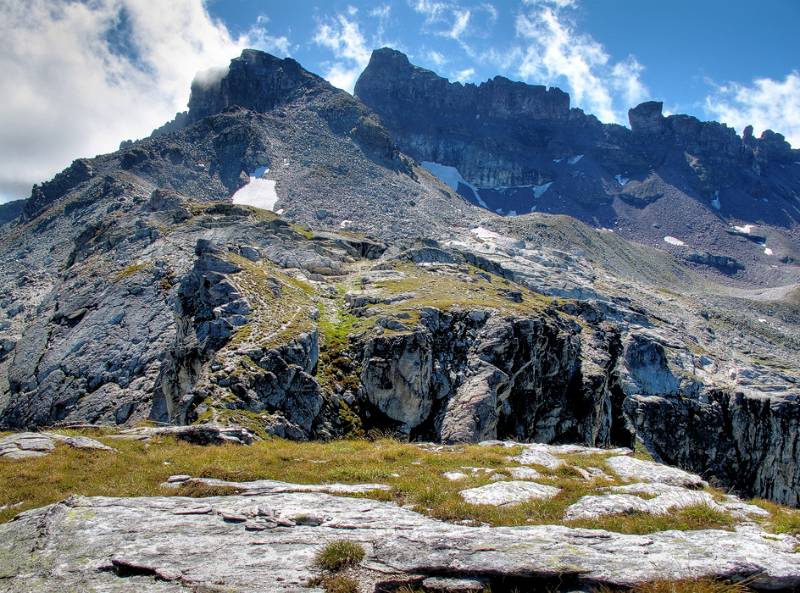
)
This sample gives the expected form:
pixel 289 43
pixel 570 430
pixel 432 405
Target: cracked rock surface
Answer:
pixel 266 543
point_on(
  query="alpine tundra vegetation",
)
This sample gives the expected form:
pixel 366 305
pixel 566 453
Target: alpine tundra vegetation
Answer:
pixel 303 340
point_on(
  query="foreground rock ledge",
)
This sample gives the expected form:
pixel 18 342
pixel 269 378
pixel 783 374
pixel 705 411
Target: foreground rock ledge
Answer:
pixel 166 544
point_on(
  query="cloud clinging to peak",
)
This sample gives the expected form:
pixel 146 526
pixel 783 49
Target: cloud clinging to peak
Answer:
pixel 79 77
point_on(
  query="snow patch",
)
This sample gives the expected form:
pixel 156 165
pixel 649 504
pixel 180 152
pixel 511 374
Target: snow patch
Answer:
pixel 345 223
pixel 715 202
pixel 768 251
pixel 746 229
pixel 538 190
pixel 451 177
pixel 512 212
pixel 259 192
pixel 574 160
pixel 674 241
pixel 621 180
pixel 556 160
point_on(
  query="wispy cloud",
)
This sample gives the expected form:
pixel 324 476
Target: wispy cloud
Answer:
pixel 342 35
pixel 764 104
pixel 555 52
pixel 452 20
pixel 464 75
pixel 72 69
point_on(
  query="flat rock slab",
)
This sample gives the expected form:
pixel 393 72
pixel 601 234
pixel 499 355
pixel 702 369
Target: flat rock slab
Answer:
pixel 630 468
pixel 37 444
pixel 508 493
pixel 454 585
pixel 155 545
pixel 265 486
pixel 547 455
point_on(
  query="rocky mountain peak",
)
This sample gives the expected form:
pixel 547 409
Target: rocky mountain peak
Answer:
pixel 255 80
pixel 391 79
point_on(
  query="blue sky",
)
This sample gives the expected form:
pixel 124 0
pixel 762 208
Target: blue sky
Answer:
pixel 686 49
pixel 79 76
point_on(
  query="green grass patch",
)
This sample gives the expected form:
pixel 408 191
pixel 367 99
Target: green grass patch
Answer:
pixel 465 287
pixel 281 305
pixel 782 519
pixel 637 522
pixel 339 555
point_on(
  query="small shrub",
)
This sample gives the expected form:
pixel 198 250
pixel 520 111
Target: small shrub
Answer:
pixel 200 490
pixel 340 584
pixel 339 554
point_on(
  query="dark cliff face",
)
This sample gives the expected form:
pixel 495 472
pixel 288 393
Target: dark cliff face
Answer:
pixel 520 148
pixel 393 83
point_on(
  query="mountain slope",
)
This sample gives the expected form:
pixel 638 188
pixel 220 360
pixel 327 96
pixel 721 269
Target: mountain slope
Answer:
pixel 672 182
pixel 178 280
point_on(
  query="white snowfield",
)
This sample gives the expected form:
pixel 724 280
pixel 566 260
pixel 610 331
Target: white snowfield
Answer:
pixel 621 180
pixel 674 241
pixel 748 228
pixel 451 177
pixel 259 192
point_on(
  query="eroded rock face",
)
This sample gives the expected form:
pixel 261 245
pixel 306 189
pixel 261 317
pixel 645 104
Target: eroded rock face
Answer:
pixel 473 375
pixel 170 544
pixel 750 443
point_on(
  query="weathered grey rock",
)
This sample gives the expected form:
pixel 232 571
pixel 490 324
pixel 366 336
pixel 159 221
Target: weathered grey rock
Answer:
pixel 396 376
pixel 454 585
pixel 264 486
pixel 665 499
pixel 523 473
pixel 508 493
pixel 152 545
pixel 630 468
pixel 37 444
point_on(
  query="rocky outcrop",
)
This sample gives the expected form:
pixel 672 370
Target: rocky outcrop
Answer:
pixel 752 447
pixel 466 376
pixel 172 544
pixel 256 81
pixel 208 309
pixel 24 445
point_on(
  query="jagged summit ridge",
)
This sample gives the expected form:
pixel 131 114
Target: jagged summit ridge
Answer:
pixel 389 73
pixel 255 80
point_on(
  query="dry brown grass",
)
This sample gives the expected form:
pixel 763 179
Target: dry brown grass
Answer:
pixel 704 585
pixel 413 473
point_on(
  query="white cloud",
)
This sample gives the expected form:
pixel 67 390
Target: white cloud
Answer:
pixel 464 75
pixel 765 104
pixel 343 37
pixel 447 18
pixel 436 57
pixel 79 77
pixel 555 51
